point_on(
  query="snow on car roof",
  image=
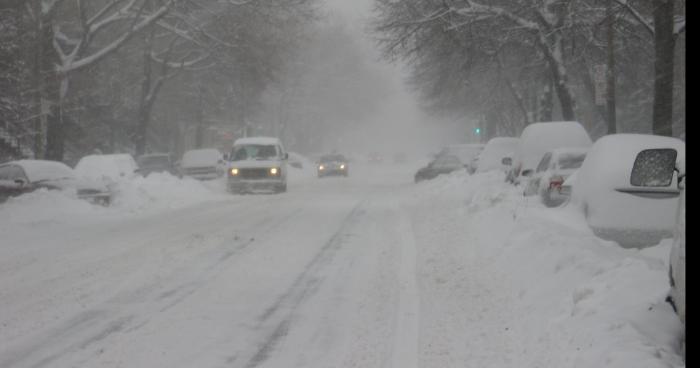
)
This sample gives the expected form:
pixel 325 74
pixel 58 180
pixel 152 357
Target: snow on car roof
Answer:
pixel 201 157
pixel 38 170
pixel 257 140
pixel 112 166
pixel 538 138
pixel 464 152
pixel 494 151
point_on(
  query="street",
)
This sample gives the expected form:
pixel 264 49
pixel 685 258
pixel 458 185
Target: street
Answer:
pixel 366 271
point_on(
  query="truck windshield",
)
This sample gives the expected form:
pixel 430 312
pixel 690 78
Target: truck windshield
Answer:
pixel 253 152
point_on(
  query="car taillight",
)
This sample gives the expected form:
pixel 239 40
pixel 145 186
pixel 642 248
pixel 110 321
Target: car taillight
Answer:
pixel 555 182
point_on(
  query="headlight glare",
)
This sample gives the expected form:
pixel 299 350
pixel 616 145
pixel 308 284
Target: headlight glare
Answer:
pixel 274 171
pixel 234 171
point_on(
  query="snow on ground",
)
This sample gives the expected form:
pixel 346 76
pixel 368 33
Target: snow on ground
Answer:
pixel 366 271
pixel 527 286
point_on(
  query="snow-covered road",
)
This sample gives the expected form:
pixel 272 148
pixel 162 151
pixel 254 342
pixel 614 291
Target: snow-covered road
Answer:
pixel 368 271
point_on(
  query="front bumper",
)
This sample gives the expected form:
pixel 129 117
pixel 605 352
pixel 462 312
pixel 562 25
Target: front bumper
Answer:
pixel 251 186
pixel 328 172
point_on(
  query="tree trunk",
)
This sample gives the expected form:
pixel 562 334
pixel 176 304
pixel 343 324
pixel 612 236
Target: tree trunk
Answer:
pixel 664 43
pixel 144 108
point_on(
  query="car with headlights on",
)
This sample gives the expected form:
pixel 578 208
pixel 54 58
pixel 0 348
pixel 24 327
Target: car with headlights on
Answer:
pixel 332 165
pixel 25 176
pixel 443 164
pixel 257 164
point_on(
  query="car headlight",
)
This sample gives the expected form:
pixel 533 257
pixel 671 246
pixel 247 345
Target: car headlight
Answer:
pixel 342 167
pixel 274 171
pixel 321 167
pixel 234 171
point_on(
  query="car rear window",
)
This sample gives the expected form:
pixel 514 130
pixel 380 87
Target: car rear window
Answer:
pixel 654 168
pixel 571 160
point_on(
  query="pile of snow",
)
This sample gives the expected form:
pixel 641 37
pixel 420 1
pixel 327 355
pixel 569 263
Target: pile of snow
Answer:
pixel 159 192
pixel 162 191
pixel 305 173
pixel 529 286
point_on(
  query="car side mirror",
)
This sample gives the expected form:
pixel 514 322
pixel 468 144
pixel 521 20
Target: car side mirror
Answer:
pixel 527 172
pixel 507 161
pixel 20 182
pixel 226 157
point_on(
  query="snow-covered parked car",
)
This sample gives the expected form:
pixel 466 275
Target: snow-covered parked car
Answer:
pixel 497 149
pixel 554 168
pixel 24 176
pixel 443 164
pixel 676 271
pixel 203 164
pixel 258 164
pixel 627 188
pixel 107 168
pixel 464 152
pixel 538 138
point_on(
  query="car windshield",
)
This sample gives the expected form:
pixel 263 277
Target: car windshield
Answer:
pixel 333 158
pixel 254 152
pixel 571 160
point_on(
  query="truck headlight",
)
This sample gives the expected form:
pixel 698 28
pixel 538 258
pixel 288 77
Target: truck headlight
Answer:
pixel 234 171
pixel 274 171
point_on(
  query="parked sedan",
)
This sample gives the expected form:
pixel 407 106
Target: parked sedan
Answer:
pixel 24 176
pixel 443 164
pixel 156 162
pixel 203 164
pixel 554 168
pixel 538 138
pixel 333 164
pixel 627 188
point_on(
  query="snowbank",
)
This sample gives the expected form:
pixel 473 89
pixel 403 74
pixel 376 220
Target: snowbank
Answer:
pixel 158 192
pixel 560 297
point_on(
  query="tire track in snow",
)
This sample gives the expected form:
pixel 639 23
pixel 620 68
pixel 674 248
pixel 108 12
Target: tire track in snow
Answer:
pixel 86 329
pixel 405 351
pixel 305 285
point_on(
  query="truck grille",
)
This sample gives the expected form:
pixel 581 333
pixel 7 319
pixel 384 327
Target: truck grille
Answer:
pixel 254 173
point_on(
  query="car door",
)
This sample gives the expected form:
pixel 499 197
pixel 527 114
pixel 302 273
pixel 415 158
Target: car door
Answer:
pixel 13 181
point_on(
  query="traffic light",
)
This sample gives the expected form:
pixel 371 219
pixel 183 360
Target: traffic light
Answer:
pixel 477 131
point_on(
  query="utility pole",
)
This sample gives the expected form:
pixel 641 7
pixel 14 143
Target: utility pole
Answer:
pixel 611 115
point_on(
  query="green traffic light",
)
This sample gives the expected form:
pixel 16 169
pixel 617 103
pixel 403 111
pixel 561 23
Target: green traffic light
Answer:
pixel 477 130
